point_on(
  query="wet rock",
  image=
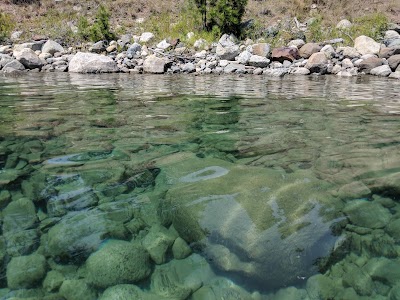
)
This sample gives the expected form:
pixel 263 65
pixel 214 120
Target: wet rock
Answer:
pixel 299 71
pixel 383 71
pixel 354 190
pixel 157 242
pixel 146 37
pixel 154 65
pixel 223 288
pixel 276 72
pixel 367 214
pixel 180 249
pixel 317 63
pixel 394 61
pixel 366 45
pixel 5 59
pixel 80 233
pixel 15 65
pixel 259 61
pixel 92 63
pixel 321 287
pixel 234 67
pixel 308 49
pixel 19 215
pixel 179 278
pixel 117 262
pixel 285 53
pixel 261 49
pixel 29 59
pixel 368 64
pixel 77 289
pixel 52 47
pixel 188 68
pixel 217 186
pixel 388 52
pixel 26 271
pixel 53 281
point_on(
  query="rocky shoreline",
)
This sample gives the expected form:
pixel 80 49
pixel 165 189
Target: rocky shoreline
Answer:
pixel 142 54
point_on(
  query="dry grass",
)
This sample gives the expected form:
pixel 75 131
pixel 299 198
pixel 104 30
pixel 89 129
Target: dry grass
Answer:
pixel 50 17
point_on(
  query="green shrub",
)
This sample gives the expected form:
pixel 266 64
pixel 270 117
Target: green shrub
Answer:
pixel 373 25
pixel 6 25
pixel 99 30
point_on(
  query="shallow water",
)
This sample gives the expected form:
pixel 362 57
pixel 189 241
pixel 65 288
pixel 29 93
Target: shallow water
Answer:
pixel 214 187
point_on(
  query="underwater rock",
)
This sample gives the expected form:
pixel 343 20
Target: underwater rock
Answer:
pixel 222 288
pixel 19 215
pixel 77 289
pixel 290 293
pixel 355 277
pixel 282 221
pixel 157 242
pixel 128 291
pixel 5 198
pixel 8 175
pixel 367 214
pixel 180 249
pixel 321 287
pixel 179 278
pixel 80 233
pixel 354 190
pixel 22 242
pixel 53 281
pixel 395 293
pixel 384 270
pixel 26 271
pixel 117 262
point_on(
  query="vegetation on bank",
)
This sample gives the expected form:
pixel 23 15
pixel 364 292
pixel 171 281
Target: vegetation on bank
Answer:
pixel 208 19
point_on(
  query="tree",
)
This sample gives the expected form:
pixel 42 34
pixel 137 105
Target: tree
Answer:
pixel 226 15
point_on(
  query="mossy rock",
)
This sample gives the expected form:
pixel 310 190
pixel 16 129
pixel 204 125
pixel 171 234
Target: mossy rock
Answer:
pixel 77 289
pixel 117 262
pixel 19 215
pixel 157 242
pixel 53 281
pixel 128 291
pixel 26 271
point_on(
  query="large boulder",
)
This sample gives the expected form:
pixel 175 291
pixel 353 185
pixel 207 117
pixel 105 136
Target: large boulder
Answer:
pixel 52 47
pixel 26 271
pixel 29 58
pixel 19 215
pixel 261 49
pixel 366 45
pixel 92 63
pixel 77 289
pixel 155 65
pixel 5 59
pixel 308 49
pixel 383 71
pixel 368 64
pixel 117 262
pixel 282 221
pixel 317 63
pixel 227 53
pixel 14 65
pixel 394 61
pixel 285 53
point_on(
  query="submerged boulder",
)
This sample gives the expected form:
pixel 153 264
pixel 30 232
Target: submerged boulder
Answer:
pixel 26 271
pixel 282 221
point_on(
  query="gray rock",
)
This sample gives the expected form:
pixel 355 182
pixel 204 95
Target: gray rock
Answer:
pixel 227 40
pixel 164 45
pixel 276 72
pixel 394 61
pixel 365 45
pixel 394 43
pixel 157 242
pixel 117 262
pixel 188 68
pixel 234 67
pixel 344 24
pixel 329 51
pixel 368 64
pixel 29 58
pixel 92 63
pixel 317 63
pixel 26 271
pixel 261 49
pixel 52 47
pixel 347 63
pixel 227 53
pixel 5 59
pixel 15 65
pixel 383 71
pixel 299 71
pixel 296 43
pixel 124 39
pixel 146 37
pixel 244 57
pixel 395 75
pixel 98 47
pixel 259 61
pixel 154 65
pixel 367 214
pixel 348 52
pixel 257 71
pixel 199 44
pixel 391 34
pixel 77 289
pixel 15 36
pixel 133 49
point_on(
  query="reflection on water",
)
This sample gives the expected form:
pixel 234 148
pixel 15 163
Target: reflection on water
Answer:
pixel 217 187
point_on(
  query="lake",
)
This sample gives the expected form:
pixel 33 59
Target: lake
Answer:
pixel 199 187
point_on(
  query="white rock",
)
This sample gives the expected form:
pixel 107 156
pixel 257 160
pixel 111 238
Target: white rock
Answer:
pixel 296 43
pixel 349 52
pixel 346 63
pixel 52 47
pixel 228 53
pixel 392 34
pixel 92 63
pixel 395 75
pixel 344 74
pixel 299 71
pixel 200 44
pixel 227 40
pixel 163 45
pixel 259 61
pixel 154 64
pixel 366 45
pixel 344 24
pixel 146 37
pixel 244 57
pixel 223 63
pixel 383 70
pixel 201 54
pixel 336 69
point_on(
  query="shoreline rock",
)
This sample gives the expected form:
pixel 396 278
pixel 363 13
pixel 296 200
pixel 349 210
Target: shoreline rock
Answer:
pixel 229 56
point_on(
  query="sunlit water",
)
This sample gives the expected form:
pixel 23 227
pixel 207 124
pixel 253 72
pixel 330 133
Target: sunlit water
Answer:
pixel 185 187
